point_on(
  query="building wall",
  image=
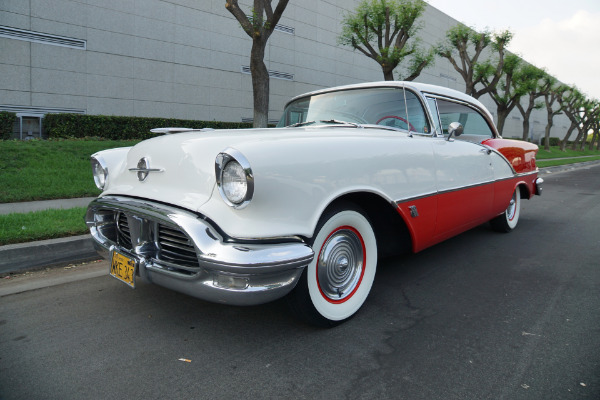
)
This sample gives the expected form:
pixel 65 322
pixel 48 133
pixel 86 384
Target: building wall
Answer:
pixel 184 59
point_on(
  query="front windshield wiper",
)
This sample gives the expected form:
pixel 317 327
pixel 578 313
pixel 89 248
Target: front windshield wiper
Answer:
pixel 297 124
pixel 325 121
pixel 335 121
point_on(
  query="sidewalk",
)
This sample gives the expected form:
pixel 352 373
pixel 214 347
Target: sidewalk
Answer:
pixel 28 206
pixel 24 256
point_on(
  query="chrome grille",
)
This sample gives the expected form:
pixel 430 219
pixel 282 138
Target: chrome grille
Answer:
pixel 123 233
pixel 175 247
pixel 164 243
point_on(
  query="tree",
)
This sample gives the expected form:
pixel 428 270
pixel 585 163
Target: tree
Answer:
pixel 259 29
pixel 586 113
pixel 571 104
pixel 595 125
pixel 381 30
pixel 530 77
pixel 463 48
pixel 553 93
pixel 508 92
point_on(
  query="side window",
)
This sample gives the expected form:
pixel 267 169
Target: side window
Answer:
pixel 475 125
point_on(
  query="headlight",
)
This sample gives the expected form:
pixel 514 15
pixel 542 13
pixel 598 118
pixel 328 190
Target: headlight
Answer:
pixel 234 178
pixel 100 172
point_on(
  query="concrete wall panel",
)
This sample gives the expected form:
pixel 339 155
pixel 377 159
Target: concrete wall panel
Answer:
pixel 183 58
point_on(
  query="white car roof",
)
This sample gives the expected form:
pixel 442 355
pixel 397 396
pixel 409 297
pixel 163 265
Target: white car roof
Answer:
pixel 416 86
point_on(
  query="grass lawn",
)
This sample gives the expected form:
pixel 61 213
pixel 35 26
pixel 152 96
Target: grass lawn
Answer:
pixel 49 169
pixel 556 153
pixel 38 225
pixel 552 163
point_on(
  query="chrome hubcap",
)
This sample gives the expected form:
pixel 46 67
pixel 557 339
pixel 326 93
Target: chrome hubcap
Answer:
pixel 340 264
pixel 512 207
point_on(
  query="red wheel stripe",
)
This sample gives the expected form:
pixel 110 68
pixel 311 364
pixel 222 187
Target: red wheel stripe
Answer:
pixel 362 273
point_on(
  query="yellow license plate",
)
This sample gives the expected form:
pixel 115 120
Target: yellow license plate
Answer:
pixel 123 268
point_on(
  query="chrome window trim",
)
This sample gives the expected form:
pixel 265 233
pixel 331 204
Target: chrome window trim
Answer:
pixel 224 157
pixel 436 117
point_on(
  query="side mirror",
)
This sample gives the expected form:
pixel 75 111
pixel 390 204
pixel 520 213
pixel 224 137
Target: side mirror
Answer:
pixel 455 128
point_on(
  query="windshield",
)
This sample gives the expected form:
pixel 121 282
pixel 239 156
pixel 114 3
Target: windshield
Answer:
pixel 377 106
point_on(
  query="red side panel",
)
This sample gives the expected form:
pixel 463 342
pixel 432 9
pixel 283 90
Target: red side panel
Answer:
pixel 444 215
pixel 422 226
pixel 441 216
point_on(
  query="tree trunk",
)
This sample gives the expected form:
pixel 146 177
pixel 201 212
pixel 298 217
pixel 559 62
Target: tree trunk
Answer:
pixel 563 143
pixel 470 89
pixel 260 84
pixel 388 74
pixel 526 128
pixel 584 138
pixel 577 139
pixel 547 134
pixel 594 138
pixel 502 114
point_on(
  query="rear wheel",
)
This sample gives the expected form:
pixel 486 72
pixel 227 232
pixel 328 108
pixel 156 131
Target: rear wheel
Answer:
pixel 337 282
pixel 507 221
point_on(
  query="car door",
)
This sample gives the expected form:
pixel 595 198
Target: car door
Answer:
pixel 463 166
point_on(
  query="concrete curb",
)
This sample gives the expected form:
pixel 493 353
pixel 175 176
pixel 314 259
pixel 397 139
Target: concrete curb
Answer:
pixel 43 253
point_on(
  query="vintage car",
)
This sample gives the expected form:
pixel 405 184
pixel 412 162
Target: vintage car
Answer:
pixel 305 209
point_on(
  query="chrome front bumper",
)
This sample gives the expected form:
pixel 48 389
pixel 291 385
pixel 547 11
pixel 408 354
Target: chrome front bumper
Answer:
pixel 182 251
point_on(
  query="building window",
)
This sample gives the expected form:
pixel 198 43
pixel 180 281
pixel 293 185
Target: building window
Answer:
pixel 40 37
pixel 273 74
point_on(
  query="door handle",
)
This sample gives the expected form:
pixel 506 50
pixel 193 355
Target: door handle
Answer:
pixel 487 151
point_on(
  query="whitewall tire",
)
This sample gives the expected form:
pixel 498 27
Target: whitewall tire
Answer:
pixel 508 220
pixel 337 282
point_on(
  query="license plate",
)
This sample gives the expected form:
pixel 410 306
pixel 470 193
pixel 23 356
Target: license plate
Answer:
pixel 123 268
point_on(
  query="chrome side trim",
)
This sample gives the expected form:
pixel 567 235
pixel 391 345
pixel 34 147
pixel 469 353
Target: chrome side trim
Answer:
pixel 422 196
pixel 168 131
pixel 413 198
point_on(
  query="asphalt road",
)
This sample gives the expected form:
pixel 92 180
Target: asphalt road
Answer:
pixel 481 316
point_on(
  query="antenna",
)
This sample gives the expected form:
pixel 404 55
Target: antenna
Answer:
pixel 406 110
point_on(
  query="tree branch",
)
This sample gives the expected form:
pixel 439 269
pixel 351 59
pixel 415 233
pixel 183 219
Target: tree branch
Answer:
pixel 233 7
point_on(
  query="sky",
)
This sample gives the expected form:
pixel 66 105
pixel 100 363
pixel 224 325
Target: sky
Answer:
pixel 561 36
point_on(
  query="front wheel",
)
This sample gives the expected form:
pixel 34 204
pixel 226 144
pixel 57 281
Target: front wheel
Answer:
pixel 337 282
pixel 507 221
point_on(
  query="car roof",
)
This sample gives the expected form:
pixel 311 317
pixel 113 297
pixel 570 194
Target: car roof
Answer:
pixel 424 88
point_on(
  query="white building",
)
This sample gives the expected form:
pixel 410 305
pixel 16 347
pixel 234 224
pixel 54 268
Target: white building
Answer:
pixel 185 59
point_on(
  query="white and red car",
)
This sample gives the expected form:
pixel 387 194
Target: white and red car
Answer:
pixel 305 209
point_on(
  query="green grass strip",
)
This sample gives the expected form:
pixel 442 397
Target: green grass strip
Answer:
pixel 39 225
pixel 554 163
pixel 555 152
pixel 49 169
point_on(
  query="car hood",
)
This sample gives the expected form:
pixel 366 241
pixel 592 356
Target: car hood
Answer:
pixel 183 164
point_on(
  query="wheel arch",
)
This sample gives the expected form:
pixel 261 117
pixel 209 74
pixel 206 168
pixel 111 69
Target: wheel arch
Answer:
pixel 391 231
pixel 524 190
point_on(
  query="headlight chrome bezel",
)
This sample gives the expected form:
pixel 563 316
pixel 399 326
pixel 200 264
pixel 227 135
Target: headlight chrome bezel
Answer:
pixel 225 157
pixel 100 171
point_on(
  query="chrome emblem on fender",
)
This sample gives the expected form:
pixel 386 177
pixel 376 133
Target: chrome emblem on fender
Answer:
pixel 143 169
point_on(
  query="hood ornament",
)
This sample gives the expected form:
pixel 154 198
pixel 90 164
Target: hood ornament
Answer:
pixel 143 169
